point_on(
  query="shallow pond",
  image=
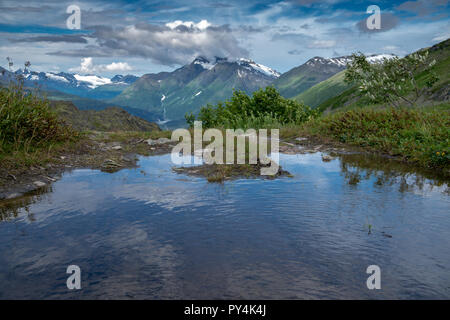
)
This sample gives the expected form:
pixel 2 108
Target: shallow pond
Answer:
pixel 151 233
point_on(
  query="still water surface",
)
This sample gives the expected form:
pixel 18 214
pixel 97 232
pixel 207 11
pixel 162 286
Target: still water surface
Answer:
pixel 150 233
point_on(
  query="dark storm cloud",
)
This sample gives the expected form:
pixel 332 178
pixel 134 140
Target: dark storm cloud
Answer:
pixel 54 38
pixel 388 22
pixel 421 7
pixel 250 29
pixel 162 44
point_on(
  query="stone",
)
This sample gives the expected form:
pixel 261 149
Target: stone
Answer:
pixel 110 163
pixel 39 184
pixel 127 158
pixel 152 142
pixel 116 148
pixel 326 158
pixel 13 195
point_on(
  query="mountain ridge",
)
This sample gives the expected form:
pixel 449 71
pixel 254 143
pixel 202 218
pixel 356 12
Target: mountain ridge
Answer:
pixel 186 89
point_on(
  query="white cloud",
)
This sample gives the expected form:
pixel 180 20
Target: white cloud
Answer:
pixel 118 66
pixel 442 37
pixel 202 25
pixel 87 66
pixel 174 43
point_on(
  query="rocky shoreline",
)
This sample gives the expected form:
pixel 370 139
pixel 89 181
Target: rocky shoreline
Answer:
pixel 91 153
pixel 96 152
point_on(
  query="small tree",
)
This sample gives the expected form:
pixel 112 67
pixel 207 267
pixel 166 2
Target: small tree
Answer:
pixel 391 80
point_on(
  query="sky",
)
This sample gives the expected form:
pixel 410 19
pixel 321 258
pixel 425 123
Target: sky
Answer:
pixel 139 37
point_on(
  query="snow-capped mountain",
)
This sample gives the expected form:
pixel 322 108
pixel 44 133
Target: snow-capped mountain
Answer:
pixel 172 94
pixel 92 86
pixel 128 79
pixel 252 65
pixel 344 60
pixel 315 70
pixel 243 62
pixel 377 58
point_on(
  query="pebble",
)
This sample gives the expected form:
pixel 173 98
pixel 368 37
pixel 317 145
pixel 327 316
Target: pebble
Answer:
pixel 39 184
pixel 152 142
pixel 13 195
pixel 326 158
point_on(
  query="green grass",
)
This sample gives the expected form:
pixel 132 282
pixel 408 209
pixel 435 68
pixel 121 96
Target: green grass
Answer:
pixel 30 132
pixel 323 91
pixel 420 136
pixel 27 123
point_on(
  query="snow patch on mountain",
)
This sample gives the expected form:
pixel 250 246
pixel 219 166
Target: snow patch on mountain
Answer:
pixel 56 77
pixel 258 67
pixel 92 80
pixel 243 62
pixel 204 63
pixel 343 61
pixel 376 58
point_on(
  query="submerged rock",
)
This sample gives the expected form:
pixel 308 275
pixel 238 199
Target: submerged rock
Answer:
pixel 327 158
pixel 110 165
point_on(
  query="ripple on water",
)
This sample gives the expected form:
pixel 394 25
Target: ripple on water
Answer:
pixel 151 233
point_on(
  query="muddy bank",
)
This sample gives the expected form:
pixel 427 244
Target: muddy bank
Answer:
pixel 93 152
pixel 224 172
pixel 359 156
pixel 100 151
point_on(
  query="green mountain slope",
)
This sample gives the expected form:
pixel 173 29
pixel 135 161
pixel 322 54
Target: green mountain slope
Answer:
pixel 440 92
pixel 301 78
pixel 187 89
pixel 323 91
pixel 109 119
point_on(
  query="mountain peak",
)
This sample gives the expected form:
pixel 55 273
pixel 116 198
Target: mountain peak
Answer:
pixel 248 63
pixel 344 60
pixel 338 61
pixel 203 62
pixel 128 79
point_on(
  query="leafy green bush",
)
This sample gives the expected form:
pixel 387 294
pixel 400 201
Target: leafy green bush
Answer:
pixel 26 122
pixel 265 109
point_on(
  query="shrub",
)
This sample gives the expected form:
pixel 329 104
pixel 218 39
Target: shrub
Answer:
pixel 266 108
pixel 26 121
pixel 420 136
